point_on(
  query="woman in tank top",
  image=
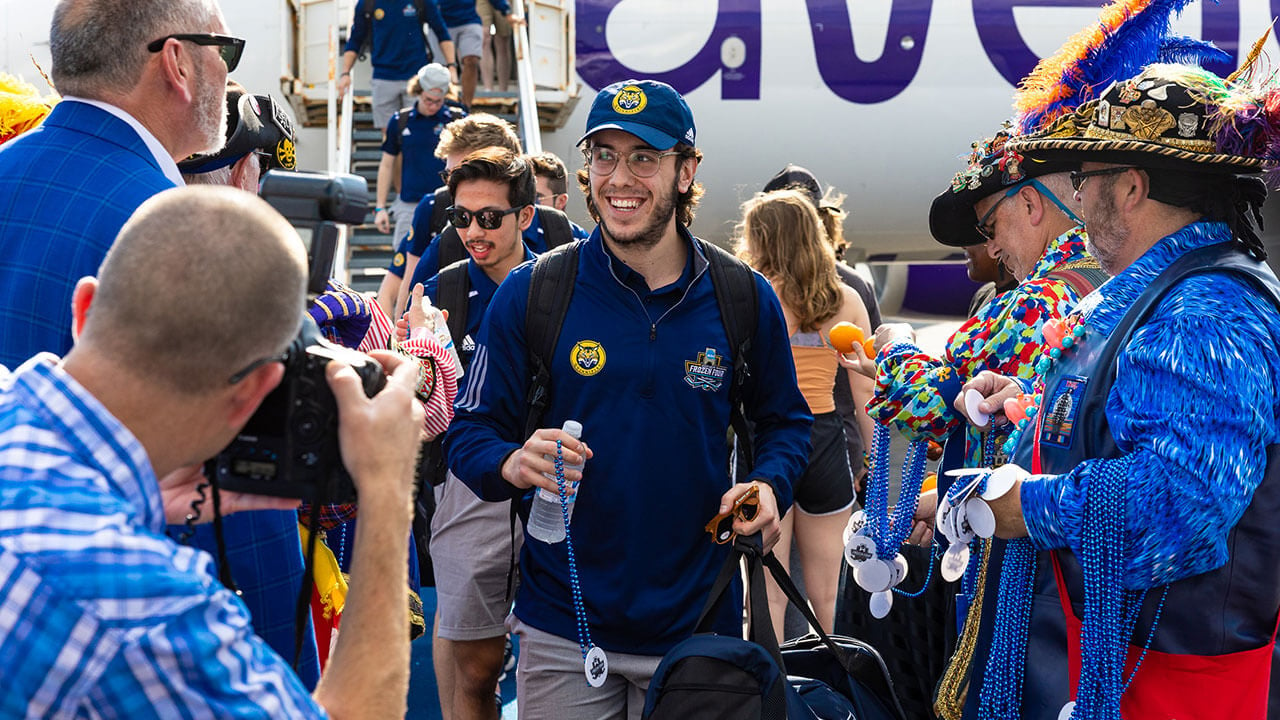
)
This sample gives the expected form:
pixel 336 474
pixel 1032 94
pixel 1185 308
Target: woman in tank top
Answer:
pixel 781 236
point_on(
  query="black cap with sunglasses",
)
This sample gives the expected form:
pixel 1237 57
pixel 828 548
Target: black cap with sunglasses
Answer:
pixel 255 124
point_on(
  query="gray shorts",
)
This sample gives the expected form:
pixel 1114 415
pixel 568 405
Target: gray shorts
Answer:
pixel 388 97
pixel 471 549
pixel 467 39
pixel 402 214
pixel 550 681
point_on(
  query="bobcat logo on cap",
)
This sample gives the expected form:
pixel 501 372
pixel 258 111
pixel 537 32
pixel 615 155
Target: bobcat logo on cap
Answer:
pixel 629 100
pixel 587 357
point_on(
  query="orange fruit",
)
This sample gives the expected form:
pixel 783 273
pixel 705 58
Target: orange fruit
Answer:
pixel 869 347
pixel 845 336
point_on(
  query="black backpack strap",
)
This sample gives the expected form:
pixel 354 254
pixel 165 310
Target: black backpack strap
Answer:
pixel 450 249
pixel 550 290
pixel 735 288
pixel 440 213
pixel 556 229
pixel 453 290
pixel 402 119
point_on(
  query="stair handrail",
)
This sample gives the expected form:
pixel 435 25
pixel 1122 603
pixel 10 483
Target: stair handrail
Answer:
pixel 338 139
pixel 528 105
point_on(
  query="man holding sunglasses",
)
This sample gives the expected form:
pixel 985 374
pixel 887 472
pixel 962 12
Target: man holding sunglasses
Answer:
pixel 643 360
pixel 143 85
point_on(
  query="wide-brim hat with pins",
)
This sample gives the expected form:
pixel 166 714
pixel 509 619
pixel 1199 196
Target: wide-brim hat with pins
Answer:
pixel 991 168
pixel 1128 35
pixel 1175 117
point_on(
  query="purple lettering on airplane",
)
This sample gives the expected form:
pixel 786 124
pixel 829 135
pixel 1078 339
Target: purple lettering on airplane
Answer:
pixel 856 80
pixel 1009 54
pixel 738 19
pixel 879 80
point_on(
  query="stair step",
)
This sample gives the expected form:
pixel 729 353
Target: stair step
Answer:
pixel 368 261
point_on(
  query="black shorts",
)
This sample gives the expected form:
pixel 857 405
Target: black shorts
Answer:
pixel 826 486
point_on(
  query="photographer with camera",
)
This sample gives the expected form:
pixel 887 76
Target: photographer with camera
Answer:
pixel 96 451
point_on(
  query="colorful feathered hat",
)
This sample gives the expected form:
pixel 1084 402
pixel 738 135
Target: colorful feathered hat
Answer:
pixel 21 106
pixel 1170 116
pixel 1129 35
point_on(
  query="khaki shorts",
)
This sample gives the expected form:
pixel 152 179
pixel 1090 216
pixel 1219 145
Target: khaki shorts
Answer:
pixel 490 17
pixel 467 39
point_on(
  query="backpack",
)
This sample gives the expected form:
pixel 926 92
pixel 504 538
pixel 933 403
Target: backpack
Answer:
pixel 813 678
pixel 551 289
pixel 555 228
pixel 367 8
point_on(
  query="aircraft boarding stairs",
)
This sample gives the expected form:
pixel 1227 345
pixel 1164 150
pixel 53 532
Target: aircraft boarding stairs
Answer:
pixel 544 60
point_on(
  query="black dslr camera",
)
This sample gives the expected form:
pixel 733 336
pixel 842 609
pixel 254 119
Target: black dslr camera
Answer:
pixel 289 448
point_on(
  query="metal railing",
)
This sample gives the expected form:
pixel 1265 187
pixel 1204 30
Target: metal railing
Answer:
pixel 529 126
pixel 338 142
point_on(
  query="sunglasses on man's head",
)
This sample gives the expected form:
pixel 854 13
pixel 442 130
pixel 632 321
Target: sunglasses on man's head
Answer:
pixel 229 48
pixel 747 506
pixel 489 218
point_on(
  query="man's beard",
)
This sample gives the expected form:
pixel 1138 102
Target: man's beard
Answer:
pixel 1106 224
pixel 210 110
pixel 664 209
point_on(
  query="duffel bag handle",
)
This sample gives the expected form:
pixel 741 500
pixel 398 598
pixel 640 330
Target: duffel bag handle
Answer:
pixel 789 588
pixel 760 630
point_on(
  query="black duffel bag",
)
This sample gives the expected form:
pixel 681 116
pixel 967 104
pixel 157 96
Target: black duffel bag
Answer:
pixel 813 678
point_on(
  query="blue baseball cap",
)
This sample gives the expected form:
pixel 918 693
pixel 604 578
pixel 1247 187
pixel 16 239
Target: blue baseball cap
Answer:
pixel 652 111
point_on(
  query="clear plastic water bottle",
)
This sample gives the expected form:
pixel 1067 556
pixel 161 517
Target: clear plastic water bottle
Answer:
pixel 546 521
pixel 439 327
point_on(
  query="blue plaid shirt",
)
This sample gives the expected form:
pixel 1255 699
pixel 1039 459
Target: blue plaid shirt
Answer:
pixel 101 614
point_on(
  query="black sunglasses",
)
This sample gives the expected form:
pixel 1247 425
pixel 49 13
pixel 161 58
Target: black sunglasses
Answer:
pixel 489 219
pixel 230 48
pixel 244 372
pixel 1078 177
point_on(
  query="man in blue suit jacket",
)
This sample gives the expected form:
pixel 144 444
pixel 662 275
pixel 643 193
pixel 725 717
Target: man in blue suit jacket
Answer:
pixel 143 83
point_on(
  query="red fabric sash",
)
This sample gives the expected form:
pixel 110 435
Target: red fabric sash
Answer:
pixel 1217 687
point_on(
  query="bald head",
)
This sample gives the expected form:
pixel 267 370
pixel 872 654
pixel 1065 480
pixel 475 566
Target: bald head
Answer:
pixel 200 282
pixel 99 47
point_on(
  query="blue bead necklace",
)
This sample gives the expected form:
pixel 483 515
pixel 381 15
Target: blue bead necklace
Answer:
pixel 890 529
pixel 1001 695
pixel 595 664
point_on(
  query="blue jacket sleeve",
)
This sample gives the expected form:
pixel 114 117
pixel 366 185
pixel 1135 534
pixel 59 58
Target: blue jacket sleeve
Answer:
pixel 489 417
pixel 1193 409
pixel 359 29
pixel 421 231
pixel 773 402
pixel 436 22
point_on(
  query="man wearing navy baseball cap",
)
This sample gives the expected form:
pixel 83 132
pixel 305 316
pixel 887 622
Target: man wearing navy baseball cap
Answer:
pixel 643 346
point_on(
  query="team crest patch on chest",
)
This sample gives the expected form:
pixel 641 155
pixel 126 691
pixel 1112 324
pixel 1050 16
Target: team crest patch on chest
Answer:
pixel 1062 410
pixel 705 373
pixel 587 357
